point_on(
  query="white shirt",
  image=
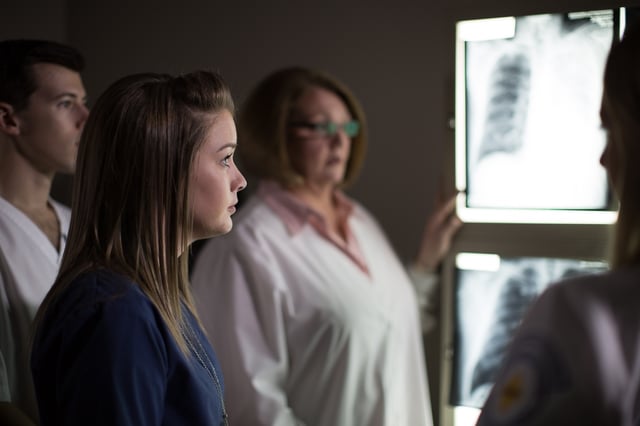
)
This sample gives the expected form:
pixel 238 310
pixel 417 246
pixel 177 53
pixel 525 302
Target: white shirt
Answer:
pixel 576 357
pixel 29 264
pixel 303 334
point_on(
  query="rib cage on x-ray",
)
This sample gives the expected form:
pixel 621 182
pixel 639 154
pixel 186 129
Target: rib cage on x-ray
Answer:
pixel 513 301
pixel 490 305
pixel 533 134
pixel 507 105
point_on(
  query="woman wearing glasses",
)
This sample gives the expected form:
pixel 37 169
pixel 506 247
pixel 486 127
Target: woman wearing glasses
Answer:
pixel 319 317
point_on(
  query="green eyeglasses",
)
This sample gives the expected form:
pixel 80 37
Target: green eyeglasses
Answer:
pixel 329 128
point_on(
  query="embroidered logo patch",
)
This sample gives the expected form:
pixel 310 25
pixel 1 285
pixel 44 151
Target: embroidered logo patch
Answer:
pixel 533 374
pixel 515 395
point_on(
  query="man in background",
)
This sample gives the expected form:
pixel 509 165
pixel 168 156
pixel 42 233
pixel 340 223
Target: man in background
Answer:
pixel 42 114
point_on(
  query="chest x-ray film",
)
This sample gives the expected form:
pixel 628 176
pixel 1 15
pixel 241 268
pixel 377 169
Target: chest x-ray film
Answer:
pixel 528 130
pixel 491 296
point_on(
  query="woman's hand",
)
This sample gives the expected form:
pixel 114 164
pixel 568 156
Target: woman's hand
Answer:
pixel 439 231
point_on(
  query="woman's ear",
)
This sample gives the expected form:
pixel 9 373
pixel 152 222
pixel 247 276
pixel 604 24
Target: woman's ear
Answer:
pixel 8 122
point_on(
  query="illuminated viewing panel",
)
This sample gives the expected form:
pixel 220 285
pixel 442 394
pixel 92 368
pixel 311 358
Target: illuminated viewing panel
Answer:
pixel 528 130
pixel 491 295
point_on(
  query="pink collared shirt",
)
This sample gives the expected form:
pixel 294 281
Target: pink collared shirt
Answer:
pixel 296 214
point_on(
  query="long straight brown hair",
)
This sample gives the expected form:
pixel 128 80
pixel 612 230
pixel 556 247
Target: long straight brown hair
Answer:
pixel 131 207
pixel 621 105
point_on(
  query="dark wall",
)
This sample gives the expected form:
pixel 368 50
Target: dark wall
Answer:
pixel 390 57
pixel 397 58
pixel 34 19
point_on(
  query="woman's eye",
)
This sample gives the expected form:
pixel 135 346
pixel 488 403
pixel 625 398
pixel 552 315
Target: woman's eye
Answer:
pixel 227 160
pixel 65 104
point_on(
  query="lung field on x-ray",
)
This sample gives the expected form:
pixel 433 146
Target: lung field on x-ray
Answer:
pixel 507 105
pixel 489 306
pixel 514 299
pixel 534 136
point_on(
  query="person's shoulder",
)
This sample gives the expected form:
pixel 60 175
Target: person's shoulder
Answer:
pixel 550 364
pixel 105 293
pixel 358 209
pixel 562 297
pixel 617 288
pixel 564 307
pixel 104 282
pixel 363 216
pixel 99 303
pixel 599 284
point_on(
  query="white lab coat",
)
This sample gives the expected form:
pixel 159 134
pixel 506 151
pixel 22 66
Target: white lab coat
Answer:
pixel 303 335
pixel 576 358
pixel 29 264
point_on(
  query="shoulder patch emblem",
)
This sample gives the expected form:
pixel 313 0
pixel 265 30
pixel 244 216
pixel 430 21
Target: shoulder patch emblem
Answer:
pixel 516 394
pixel 534 372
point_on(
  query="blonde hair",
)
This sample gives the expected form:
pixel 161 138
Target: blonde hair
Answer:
pixel 130 200
pixel 263 120
pixel 621 105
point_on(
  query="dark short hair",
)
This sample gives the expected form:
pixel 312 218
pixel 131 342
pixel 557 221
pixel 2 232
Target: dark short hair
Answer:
pixel 17 57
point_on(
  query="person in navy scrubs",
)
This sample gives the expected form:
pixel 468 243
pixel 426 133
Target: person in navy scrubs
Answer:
pixel 118 340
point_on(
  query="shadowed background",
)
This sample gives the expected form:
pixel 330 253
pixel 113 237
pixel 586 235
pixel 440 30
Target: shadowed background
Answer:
pixel 397 57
